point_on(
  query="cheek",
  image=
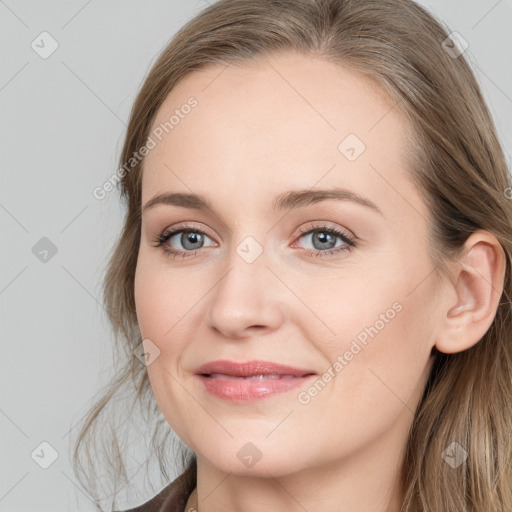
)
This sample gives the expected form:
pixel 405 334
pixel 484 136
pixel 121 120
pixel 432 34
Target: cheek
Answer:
pixel 162 304
pixel 380 349
pixel 387 309
pixel 160 301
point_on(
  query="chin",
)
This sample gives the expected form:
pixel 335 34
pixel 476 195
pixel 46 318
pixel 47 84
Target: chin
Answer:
pixel 246 458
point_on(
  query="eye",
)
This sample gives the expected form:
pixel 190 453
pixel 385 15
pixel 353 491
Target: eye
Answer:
pixel 324 240
pixel 191 239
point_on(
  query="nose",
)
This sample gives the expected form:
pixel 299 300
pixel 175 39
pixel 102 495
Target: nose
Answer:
pixel 247 299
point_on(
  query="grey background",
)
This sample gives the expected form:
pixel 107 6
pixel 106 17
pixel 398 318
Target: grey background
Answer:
pixel 63 124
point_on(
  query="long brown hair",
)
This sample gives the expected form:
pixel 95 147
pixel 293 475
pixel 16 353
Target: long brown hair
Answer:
pixel 456 162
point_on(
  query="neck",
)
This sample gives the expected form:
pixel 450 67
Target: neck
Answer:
pixel 368 481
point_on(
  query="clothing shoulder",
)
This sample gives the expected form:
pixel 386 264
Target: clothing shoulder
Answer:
pixel 172 498
pixel 155 504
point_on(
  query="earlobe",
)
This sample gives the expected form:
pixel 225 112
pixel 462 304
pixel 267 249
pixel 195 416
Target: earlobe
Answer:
pixel 478 285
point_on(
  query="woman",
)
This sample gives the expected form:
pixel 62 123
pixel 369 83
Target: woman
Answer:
pixel 315 264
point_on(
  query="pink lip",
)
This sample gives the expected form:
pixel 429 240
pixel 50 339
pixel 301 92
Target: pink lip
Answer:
pixel 230 388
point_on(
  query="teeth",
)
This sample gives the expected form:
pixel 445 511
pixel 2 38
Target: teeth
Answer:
pixel 254 377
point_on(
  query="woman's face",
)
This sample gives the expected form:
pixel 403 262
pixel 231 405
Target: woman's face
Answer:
pixel 262 276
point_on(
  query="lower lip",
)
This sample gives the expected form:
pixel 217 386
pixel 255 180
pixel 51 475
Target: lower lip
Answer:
pixel 245 390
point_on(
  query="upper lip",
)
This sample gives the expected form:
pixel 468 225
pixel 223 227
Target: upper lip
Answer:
pixel 250 369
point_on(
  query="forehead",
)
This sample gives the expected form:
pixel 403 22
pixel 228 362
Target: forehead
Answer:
pixel 287 122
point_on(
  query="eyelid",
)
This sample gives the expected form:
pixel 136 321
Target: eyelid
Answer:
pixel 311 225
pixel 185 226
pixel 318 225
pixel 349 239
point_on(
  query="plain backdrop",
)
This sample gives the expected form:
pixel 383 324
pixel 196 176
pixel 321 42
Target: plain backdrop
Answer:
pixel 63 122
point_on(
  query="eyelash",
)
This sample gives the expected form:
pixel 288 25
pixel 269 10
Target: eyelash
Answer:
pixel 349 241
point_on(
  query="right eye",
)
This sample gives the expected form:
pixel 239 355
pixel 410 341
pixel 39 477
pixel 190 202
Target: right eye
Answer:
pixel 192 240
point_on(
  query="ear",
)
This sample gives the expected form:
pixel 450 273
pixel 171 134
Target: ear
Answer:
pixel 477 286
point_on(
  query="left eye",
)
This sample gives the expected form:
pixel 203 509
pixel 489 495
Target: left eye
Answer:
pixel 323 239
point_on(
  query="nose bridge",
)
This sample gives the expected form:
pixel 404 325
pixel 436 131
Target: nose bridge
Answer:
pixel 245 296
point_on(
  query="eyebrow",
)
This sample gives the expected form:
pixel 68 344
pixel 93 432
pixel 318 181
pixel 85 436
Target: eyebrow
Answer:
pixel 291 199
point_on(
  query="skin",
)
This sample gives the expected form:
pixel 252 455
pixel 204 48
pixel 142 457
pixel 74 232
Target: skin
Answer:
pixel 257 131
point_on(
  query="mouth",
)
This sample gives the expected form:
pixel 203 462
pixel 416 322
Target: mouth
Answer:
pixel 252 377
pixel 252 380
pixel 251 369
